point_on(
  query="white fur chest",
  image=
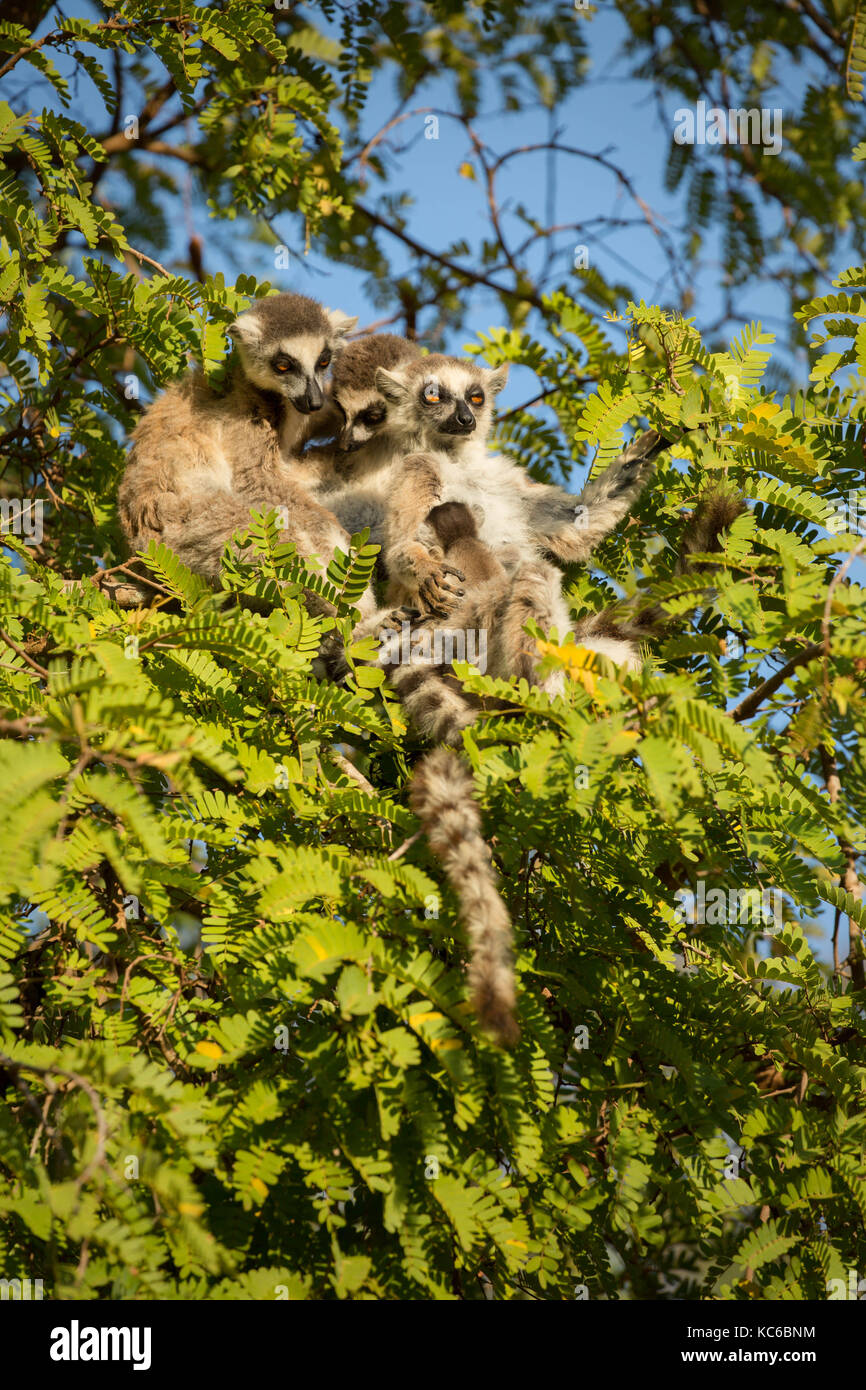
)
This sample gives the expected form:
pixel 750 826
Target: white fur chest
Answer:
pixel 485 480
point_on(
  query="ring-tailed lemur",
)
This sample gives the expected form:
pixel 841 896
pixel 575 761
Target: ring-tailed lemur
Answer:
pixel 397 494
pixel 202 460
pixel 429 448
pixel 440 410
pixel 393 405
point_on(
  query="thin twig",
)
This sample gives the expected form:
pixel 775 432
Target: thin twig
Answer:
pixel 401 849
pixel 19 651
pixel 352 771
pixel 747 706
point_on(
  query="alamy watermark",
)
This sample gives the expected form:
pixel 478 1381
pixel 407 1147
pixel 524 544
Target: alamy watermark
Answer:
pixel 22 517
pixel 736 126
pixel 849 515
pixel 439 646
pixel 20 1290
pixel 854 1288
pixel 77 1343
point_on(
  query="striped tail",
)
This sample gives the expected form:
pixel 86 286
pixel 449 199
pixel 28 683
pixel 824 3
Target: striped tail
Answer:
pixel 627 624
pixel 715 512
pixel 442 797
pixel 432 697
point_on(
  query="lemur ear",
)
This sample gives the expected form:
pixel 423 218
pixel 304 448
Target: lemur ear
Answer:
pixel 341 324
pixel 389 386
pixel 497 379
pixel 245 329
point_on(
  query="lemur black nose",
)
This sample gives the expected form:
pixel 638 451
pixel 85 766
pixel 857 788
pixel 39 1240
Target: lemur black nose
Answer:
pixel 464 417
pixel 312 399
pixel 347 443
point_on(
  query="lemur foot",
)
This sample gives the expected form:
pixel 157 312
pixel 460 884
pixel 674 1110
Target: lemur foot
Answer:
pixel 637 456
pixel 404 614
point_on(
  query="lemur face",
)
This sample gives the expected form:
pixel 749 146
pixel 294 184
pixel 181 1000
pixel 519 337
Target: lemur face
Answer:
pixel 364 415
pixel 442 400
pixel 353 389
pixel 286 344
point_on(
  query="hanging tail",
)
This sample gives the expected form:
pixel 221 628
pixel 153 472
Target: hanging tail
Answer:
pixel 623 627
pixel 715 512
pixel 443 799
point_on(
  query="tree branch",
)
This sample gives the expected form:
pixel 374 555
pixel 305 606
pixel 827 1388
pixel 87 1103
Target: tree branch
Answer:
pixel 746 708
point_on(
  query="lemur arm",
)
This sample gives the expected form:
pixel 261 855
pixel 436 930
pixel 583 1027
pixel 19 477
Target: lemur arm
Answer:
pixel 411 564
pixel 569 527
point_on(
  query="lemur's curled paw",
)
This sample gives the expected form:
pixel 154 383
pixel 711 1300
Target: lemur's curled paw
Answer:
pixel 413 617
pixel 439 587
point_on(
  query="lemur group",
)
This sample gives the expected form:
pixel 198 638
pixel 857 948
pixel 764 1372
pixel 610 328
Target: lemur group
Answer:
pixel 342 434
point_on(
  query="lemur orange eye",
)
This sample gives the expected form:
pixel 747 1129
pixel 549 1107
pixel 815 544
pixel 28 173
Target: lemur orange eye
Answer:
pixel 324 361
pixel 431 393
pixel 476 397
pixel 281 366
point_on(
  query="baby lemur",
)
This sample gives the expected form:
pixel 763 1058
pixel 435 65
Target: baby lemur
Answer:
pixel 452 527
pixel 201 460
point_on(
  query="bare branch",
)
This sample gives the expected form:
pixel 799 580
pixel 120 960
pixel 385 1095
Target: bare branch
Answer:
pixel 746 708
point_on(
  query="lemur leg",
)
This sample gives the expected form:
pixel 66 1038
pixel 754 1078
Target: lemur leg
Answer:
pixel 204 533
pixel 316 534
pixel 568 527
pixel 534 593
pixel 415 569
pixel 599 633
pixel 199 532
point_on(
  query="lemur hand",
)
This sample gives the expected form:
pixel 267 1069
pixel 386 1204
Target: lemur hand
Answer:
pixel 439 586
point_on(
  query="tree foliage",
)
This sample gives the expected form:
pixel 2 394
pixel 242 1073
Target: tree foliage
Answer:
pixel 236 1048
